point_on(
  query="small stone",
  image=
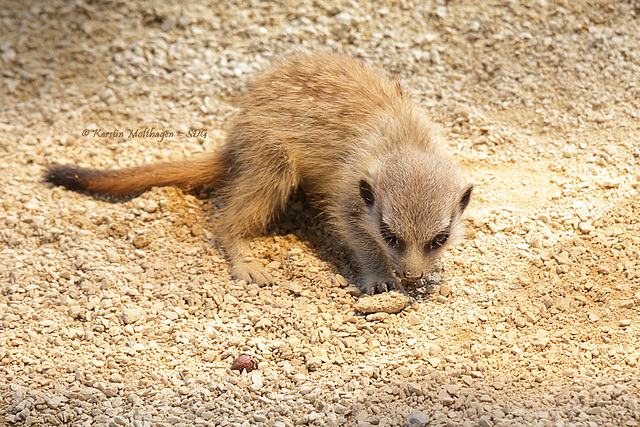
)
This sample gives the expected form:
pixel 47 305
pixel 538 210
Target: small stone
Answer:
pixel 497 414
pixel 353 291
pixel 530 317
pixel 54 401
pixel 132 315
pixel 313 417
pixel 299 378
pixel 150 206
pixel 120 420
pixel 563 303
pixel 388 302
pixel 603 269
pixel 585 227
pixel 30 420
pixel 294 288
pixel 601 295
pixel 445 290
pixel 142 240
pixel 8 55
pixel 416 419
pixel 625 322
pixel 376 317
pixel 256 381
pixel 22 415
pixel 305 390
pixel 77 312
pixel 629 303
pixel 520 322
pixel 404 371
pixel 445 398
pixel 314 363
pixel 434 361
pixel 260 418
pixel 578 242
pixel 434 279
pixel 339 280
pixel 88 392
pixel 563 258
pixel 65 416
pixel 112 256
pixel 468 380
pixel 167 24
pixel 544 218
pixel 535 242
pixel 197 230
pixel 414 388
pixel 210 356
pixel 134 399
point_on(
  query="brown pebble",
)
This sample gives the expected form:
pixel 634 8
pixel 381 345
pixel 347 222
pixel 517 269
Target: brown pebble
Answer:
pixel 244 362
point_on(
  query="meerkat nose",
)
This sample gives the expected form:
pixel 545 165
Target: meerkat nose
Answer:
pixel 412 276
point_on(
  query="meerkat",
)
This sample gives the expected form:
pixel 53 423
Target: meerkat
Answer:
pixel 356 144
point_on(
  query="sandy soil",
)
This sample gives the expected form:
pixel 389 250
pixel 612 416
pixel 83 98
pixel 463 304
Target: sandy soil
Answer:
pixel 122 313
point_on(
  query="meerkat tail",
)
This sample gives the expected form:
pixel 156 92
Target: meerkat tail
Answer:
pixel 199 173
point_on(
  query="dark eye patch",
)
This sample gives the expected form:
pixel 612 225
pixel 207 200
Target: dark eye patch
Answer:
pixel 390 238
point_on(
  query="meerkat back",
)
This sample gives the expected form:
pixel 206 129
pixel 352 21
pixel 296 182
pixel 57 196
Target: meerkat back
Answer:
pixel 318 109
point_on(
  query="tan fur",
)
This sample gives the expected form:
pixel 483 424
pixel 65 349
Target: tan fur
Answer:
pixel 355 143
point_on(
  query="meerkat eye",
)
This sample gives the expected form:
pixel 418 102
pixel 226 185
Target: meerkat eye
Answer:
pixel 390 238
pixel 438 241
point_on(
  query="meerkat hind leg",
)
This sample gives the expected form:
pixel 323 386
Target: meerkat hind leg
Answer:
pixel 253 200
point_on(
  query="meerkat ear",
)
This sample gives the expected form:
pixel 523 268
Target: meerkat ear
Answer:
pixel 366 193
pixel 466 197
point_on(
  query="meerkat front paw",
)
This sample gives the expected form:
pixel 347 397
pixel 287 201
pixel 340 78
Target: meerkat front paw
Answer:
pixel 373 288
pixel 251 272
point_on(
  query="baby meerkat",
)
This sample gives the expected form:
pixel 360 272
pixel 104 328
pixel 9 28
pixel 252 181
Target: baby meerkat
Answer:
pixel 351 139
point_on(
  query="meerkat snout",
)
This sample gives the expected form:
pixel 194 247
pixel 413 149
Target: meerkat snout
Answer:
pixel 412 276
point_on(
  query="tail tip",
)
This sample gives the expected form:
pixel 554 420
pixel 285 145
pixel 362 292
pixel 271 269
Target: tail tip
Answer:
pixel 71 177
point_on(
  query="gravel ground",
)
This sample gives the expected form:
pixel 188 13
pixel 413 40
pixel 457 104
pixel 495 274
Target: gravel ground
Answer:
pixel 122 313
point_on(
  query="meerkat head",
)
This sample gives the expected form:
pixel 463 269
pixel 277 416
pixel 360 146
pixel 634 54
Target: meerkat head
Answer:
pixel 412 208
